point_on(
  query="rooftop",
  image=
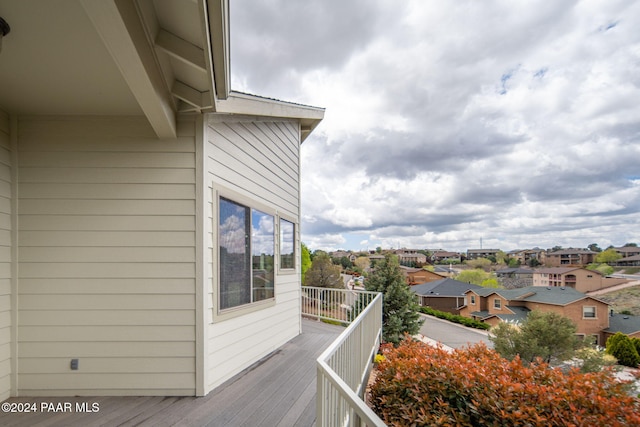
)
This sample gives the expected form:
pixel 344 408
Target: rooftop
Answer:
pixel 443 287
pixel 624 323
pixel 546 295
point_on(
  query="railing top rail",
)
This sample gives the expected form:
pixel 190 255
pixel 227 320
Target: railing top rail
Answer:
pixel 345 334
pixel 360 291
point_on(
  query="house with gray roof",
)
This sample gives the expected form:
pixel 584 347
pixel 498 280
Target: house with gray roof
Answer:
pixel 625 323
pixel 569 257
pixel 444 295
pixel 590 315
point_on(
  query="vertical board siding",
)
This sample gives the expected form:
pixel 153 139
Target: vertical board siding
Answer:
pixel 260 160
pixel 5 257
pixel 106 242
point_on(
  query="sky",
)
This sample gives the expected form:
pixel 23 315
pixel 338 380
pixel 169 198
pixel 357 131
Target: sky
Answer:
pixel 455 124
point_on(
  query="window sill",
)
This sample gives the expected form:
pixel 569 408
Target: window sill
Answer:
pixel 242 310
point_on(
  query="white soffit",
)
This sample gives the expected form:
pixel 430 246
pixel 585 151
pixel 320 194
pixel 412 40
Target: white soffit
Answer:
pixel 54 62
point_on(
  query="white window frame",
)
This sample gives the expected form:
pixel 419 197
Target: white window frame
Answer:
pixel 497 304
pixel 239 310
pixel 584 312
pixel 281 269
pixel 473 300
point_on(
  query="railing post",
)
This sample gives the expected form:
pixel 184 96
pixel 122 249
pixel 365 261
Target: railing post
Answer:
pixel 319 397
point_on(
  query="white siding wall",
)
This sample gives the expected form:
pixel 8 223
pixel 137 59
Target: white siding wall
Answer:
pixel 106 258
pixel 5 258
pixel 260 160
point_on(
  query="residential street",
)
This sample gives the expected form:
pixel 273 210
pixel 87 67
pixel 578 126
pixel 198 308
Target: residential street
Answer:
pixel 452 334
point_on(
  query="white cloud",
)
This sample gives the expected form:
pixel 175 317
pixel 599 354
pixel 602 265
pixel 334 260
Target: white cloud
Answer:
pixel 451 122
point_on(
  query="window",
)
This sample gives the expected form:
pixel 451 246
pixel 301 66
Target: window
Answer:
pixel 247 250
pixel 588 312
pixel 473 300
pixel 287 245
pixel 497 304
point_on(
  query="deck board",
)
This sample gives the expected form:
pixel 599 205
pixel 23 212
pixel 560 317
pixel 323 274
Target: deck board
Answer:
pixel 279 390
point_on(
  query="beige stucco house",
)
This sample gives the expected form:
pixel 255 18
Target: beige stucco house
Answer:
pixel 414 276
pixel 580 279
pixel 149 240
pixel 589 314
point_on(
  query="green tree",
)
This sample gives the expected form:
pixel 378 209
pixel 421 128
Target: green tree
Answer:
pixel 483 263
pixel 548 336
pixel 593 359
pixel 490 283
pixel 513 263
pixel 594 247
pixel 316 253
pixel 502 258
pixel 603 269
pixel 400 311
pixel 533 262
pixel 362 262
pixel 622 348
pixel 345 262
pixel 323 273
pixel 477 277
pixel 305 260
pixel 607 256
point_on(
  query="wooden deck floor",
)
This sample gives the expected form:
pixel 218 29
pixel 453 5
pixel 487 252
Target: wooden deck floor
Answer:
pixel 277 391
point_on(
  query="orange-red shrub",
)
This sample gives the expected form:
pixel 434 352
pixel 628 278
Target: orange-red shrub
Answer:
pixel 421 385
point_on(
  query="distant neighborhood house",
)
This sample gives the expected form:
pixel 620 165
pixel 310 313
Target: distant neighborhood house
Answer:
pixel 443 295
pixel 627 324
pixel 590 315
pixel 481 253
pixel 413 276
pixel 569 257
pixel 578 278
pixel 526 256
pixel 628 251
pixel 445 256
pixel 411 257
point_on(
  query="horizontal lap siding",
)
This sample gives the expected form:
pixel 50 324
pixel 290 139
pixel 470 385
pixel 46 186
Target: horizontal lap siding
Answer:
pixel 106 258
pixel 5 257
pixel 260 160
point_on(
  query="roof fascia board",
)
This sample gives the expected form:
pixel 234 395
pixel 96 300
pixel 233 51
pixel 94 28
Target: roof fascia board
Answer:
pixel 208 51
pixel 118 24
pixel 217 36
pixel 240 103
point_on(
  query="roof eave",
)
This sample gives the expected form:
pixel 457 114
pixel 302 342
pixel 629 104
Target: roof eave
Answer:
pixel 246 104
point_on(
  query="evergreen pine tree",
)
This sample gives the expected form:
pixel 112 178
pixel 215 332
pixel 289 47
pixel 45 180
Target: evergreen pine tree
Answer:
pixel 400 310
pixel 621 347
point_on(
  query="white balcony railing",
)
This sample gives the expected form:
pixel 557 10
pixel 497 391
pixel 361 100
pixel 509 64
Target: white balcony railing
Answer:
pixel 335 305
pixel 344 367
